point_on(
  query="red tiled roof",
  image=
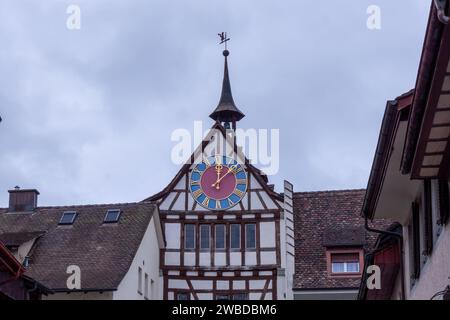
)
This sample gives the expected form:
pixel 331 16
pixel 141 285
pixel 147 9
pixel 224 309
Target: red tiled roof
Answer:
pixel 327 219
pixel 103 252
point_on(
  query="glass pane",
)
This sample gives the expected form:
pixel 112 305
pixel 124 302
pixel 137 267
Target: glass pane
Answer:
pixel 112 215
pixel 235 236
pixel 353 267
pixel 204 236
pixel 222 297
pixel 183 296
pixel 337 267
pixel 189 236
pixel 240 296
pixel 220 236
pixel 250 236
pixel 67 218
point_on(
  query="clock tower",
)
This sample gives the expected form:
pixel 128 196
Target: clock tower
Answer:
pixel 229 235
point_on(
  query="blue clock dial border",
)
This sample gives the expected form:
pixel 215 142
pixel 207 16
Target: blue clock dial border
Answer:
pixel 218 204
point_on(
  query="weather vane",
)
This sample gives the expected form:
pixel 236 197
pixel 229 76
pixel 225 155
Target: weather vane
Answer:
pixel 223 38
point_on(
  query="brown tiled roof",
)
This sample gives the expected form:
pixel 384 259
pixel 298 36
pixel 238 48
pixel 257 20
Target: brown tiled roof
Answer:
pixel 327 219
pixel 103 252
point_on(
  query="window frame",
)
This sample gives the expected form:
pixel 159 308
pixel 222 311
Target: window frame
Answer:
pixel 177 293
pixel 224 238
pixel 246 237
pixel 71 222
pixel 358 251
pixel 116 220
pixel 139 289
pixel 193 248
pixel 201 226
pixel 238 228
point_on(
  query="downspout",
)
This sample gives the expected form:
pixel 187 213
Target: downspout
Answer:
pixel 440 8
pixel 399 238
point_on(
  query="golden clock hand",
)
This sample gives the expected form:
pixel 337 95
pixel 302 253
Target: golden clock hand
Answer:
pixel 232 168
pixel 219 168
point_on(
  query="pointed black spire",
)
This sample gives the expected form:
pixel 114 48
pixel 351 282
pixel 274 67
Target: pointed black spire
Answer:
pixel 226 110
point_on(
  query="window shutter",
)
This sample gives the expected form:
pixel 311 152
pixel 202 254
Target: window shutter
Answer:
pixel 443 202
pixel 416 239
pixel 428 219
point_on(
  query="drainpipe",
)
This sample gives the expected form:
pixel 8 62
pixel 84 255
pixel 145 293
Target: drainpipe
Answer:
pixel 440 8
pixel 399 238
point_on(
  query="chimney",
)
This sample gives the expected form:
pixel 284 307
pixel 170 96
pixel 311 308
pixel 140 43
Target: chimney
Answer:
pixel 22 200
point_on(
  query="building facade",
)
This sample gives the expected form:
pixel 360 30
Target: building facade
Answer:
pixel 410 172
pixel 91 252
pixel 330 244
pixel 228 234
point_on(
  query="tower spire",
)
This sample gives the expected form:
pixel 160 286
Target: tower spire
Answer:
pixel 226 110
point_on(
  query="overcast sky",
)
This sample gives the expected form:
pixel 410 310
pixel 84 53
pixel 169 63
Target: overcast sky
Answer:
pixel 88 114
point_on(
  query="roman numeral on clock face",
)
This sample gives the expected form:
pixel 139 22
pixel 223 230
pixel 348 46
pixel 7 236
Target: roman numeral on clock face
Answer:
pixel 239 193
pixel 241 181
pixel 196 193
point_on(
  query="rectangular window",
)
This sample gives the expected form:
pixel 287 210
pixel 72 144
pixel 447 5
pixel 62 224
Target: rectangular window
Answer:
pixel 220 236
pixel 140 280
pixel 189 236
pixel 240 296
pixel 345 263
pixel 235 236
pixel 428 217
pixel 112 216
pixel 416 240
pixel 146 286
pixel 250 236
pixel 183 296
pixel 205 236
pixel 68 218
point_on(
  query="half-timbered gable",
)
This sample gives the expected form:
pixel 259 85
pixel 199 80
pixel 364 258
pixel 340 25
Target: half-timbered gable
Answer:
pixel 232 247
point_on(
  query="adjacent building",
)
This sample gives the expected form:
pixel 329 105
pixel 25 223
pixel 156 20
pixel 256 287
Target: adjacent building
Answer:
pixel 330 244
pixel 108 251
pixel 410 175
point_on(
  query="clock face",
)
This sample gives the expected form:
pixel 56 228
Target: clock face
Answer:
pixel 218 182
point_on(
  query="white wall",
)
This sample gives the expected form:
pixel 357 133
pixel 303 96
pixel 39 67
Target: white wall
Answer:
pixel 435 274
pixel 147 257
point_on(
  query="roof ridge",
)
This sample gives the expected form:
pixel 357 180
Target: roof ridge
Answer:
pixel 94 205
pixel 329 191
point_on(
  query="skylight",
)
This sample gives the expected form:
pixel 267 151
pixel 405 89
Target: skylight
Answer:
pixel 68 217
pixel 112 216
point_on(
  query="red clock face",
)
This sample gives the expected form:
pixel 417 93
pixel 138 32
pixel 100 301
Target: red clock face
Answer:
pixel 218 183
pixel 220 190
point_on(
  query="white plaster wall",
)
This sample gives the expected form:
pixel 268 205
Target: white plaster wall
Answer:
pixel 436 271
pixel 220 259
pixel 268 257
pixel 235 258
pixel 147 257
pixel 267 231
pixel 189 258
pixel 250 258
pixel 172 231
pixel 205 259
pixel 172 259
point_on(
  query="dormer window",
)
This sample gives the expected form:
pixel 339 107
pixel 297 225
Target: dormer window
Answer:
pixel 112 216
pixel 344 262
pixel 68 218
